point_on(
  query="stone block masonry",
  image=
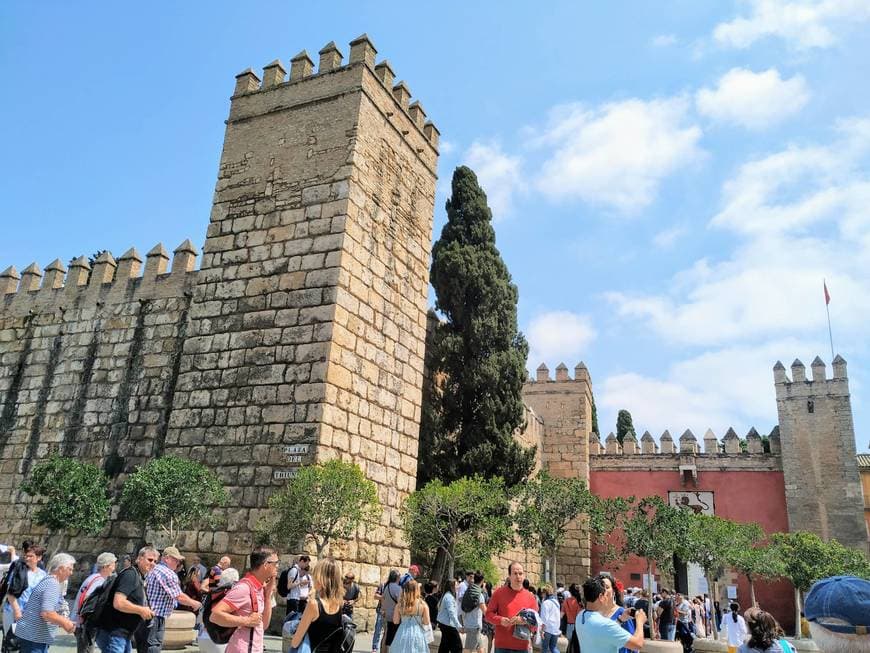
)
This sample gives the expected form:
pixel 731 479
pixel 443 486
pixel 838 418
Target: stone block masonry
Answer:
pixel 823 489
pixel 564 407
pixel 300 338
pixel 88 363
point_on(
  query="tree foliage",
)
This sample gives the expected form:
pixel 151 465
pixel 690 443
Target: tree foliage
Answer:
pixel 321 503
pixel 750 556
pixel 72 496
pixel 594 416
pixel 807 558
pixel 624 425
pixel 172 494
pixel 469 519
pixel 654 531
pixel 546 505
pixel 478 356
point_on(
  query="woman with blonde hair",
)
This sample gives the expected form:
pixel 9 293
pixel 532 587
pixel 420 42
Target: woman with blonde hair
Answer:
pixel 411 615
pixel 321 620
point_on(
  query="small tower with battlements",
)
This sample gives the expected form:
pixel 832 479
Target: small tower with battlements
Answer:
pixel 565 406
pixel 822 486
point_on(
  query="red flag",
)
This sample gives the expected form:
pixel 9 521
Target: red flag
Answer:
pixel 827 294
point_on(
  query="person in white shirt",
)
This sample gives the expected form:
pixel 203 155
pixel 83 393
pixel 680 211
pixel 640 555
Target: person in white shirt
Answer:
pixel 469 579
pixel 551 617
pixel 735 628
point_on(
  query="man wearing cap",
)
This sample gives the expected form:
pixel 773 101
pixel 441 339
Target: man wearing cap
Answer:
pixel 85 634
pixel 163 592
pixel 838 609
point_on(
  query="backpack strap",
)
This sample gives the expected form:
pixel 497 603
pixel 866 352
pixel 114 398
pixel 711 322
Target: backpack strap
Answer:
pixel 84 594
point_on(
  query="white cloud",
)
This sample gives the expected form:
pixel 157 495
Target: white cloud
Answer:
pixel 446 147
pixel 558 336
pixel 618 154
pixel 753 100
pixel 667 238
pixel 730 387
pixel 664 40
pixel 803 24
pixel 801 216
pixel 499 175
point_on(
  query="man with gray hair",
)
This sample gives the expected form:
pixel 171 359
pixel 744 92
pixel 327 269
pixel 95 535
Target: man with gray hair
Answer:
pixel 85 633
pixel 838 610
pixel 126 607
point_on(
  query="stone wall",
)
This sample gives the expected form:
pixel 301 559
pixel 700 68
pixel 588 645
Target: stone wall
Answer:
pixel 88 368
pixel 823 489
pixel 300 339
pixel 564 407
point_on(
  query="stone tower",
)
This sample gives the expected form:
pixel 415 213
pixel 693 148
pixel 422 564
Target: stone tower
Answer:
pixel 308 320
pixel 822 486
pixel 565 406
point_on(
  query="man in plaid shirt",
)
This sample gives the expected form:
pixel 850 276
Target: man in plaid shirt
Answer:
pixel 164 592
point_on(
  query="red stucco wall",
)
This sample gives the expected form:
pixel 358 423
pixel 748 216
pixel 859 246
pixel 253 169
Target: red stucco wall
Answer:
pixel 738 496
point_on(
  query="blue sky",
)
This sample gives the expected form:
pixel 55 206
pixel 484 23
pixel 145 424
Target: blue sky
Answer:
pixel 671 180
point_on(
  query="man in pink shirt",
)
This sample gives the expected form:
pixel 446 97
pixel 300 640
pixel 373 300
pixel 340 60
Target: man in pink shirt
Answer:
pixel 505 605
pixel 248 605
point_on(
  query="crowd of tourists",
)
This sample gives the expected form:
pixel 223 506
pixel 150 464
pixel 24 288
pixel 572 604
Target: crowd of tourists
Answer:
pixel 115 609
pixel 598 617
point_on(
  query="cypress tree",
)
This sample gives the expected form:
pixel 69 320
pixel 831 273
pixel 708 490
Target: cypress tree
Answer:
pixel 624 425
pixel 477 357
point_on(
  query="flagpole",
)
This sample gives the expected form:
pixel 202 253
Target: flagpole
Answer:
pixel 828 311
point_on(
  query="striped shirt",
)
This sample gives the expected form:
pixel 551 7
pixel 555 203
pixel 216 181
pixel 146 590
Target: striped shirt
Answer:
pixel 46 597
pixel 162 589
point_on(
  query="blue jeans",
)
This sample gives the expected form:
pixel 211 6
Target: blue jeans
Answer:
pixel 379 626
pixel 32 647
pixel 671 632
pixel 550 643
pixel 113 641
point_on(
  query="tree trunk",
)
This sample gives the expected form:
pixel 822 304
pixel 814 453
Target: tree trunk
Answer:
pixel 451 564
pixel 797 613
pixel 711 587
pixel 649 580
pixel 439 567
pixel 752 590
pixel 553 568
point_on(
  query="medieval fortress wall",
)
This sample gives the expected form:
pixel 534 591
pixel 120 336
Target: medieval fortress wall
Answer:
pixel 300 338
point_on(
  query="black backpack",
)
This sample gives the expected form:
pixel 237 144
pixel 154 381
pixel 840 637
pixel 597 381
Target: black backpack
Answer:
pixel 14 580
pixel 345 635
pixel 471 598
pixel 282 581
pixel 95 604
pixel 217 634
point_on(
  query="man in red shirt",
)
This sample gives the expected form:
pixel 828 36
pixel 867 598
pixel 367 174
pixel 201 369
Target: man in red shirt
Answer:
pixel 505 605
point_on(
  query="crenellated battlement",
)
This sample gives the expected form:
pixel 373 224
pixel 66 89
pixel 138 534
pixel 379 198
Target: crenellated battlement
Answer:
pixel 304 85
pixel 799 386
pixel 687 444
pixel 542 374
pixel 107 279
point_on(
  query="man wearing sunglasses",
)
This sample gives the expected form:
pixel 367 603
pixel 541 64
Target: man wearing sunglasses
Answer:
pixel 248 605
pixel 127 607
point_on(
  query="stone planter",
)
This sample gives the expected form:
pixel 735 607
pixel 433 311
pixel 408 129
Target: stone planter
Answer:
pixel 703 645
pixel 662 646
pixel 180 630
pixel 803 644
